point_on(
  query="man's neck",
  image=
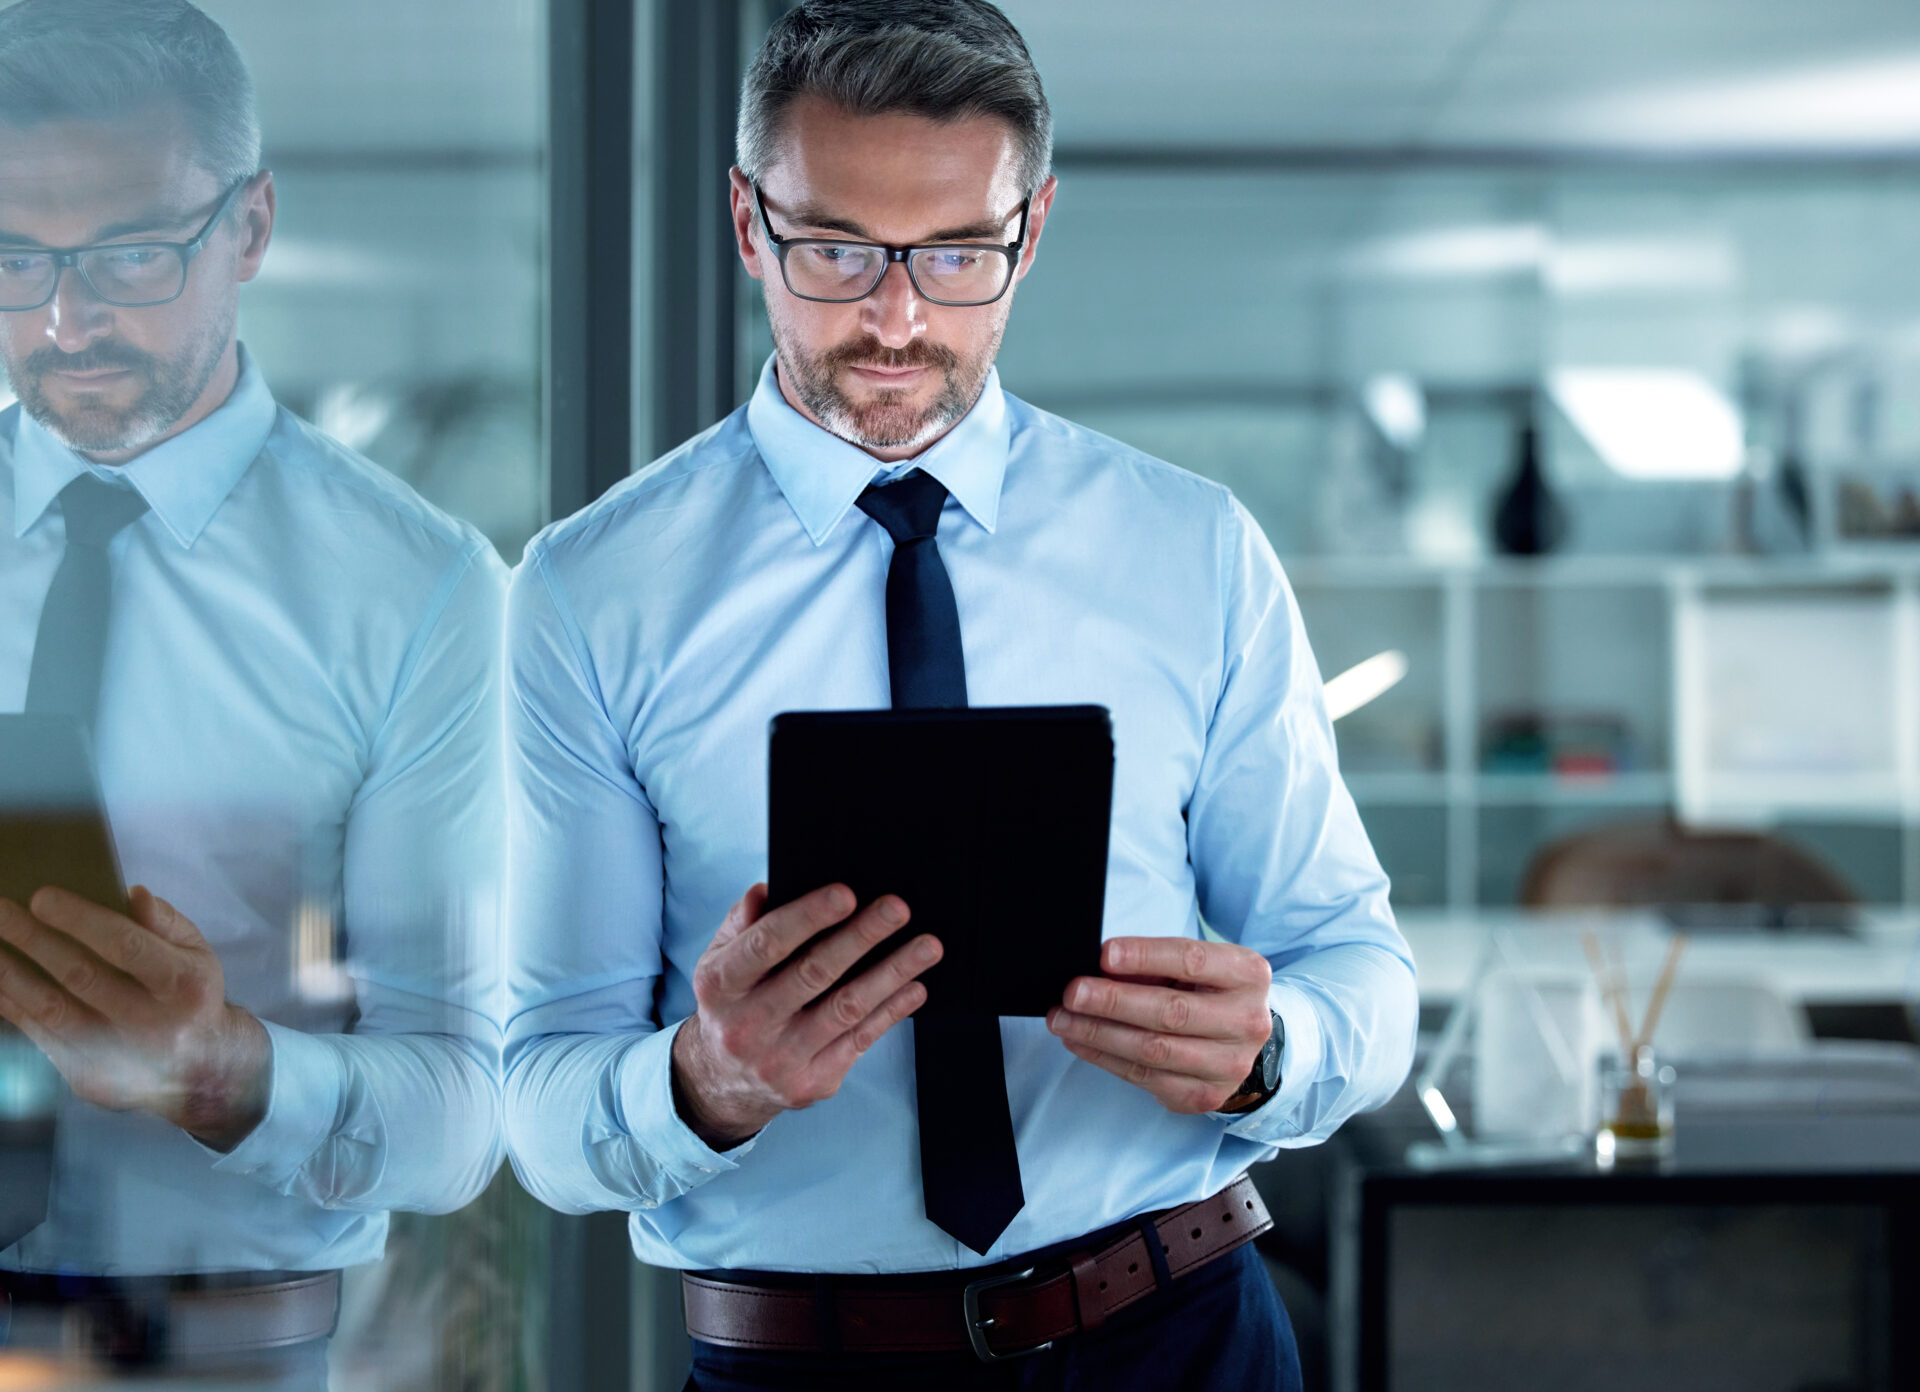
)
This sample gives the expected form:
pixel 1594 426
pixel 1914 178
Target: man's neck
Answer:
pixel 226 376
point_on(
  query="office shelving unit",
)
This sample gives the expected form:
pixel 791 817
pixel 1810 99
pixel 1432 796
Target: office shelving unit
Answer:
pixel 1628 638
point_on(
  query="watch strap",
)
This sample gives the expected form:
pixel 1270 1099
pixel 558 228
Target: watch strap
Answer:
pixel 1254 1090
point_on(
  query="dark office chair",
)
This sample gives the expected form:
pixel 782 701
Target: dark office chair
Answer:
pixel 1662 863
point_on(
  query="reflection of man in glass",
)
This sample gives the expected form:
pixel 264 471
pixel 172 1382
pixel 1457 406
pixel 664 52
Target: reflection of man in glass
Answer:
pixel 287 663
pixel 849 1181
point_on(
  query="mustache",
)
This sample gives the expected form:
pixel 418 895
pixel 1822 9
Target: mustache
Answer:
pixel 93 358
pixel 870 352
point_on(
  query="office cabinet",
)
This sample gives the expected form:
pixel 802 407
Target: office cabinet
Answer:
pixel 1544 697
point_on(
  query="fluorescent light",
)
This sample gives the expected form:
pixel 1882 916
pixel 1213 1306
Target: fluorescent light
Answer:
pixel 297 261
pixel 1364 682
pixel 1449 252
pixel 1853 105
pixel 1397 407
pixel 1806 331
pixel 1652 423
pixel 1581 266
pixel 1603 265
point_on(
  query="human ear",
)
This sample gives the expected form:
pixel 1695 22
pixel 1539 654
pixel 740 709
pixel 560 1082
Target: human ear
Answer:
pixel 256 226
pixel 740 192
pixel 1037 211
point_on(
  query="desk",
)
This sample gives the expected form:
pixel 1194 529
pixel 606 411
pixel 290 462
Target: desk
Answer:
pixel 1768 1254
pixel 1575 1279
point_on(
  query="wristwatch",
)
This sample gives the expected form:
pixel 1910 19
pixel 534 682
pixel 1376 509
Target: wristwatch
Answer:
pixel 1264 1079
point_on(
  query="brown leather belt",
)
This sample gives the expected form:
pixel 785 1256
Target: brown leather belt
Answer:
pixel 156 1319
pixel 998 1316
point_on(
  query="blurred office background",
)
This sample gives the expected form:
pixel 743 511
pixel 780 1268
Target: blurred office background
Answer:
pixel 1570 351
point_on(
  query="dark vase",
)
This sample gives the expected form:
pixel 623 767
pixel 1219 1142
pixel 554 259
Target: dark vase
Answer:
pixel 1529 520
pixel 1791 479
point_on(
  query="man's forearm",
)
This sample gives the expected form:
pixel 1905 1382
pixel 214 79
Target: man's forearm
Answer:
pixel 225 1095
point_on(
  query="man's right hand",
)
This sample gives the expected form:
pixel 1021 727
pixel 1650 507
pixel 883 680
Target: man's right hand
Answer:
pixel 771 1031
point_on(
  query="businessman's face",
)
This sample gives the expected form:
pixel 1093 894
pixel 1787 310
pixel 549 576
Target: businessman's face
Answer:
pixel 109 380
pixel 893 371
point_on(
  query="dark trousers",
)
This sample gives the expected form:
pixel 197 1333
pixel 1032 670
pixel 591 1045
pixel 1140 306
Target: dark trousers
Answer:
pixel 1220 1329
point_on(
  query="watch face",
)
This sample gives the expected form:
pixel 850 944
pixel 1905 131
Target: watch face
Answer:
pixel 1270 1058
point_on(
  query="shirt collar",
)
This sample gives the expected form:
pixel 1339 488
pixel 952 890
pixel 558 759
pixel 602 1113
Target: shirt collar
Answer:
pixel 184 479
pixel 821 474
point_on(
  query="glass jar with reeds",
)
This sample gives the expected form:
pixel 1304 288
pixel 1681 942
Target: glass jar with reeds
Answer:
pixel 1635 1123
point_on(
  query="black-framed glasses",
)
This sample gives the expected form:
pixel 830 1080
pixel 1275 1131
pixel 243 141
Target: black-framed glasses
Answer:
pixel 833 271
pixel 130 275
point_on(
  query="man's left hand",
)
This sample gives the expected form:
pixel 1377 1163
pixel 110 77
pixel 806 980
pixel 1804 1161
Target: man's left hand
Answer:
pixel 1182 1018
pixel 133 1012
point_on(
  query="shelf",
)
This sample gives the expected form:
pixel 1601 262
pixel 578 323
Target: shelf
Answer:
pixel 1581 790
pixel 1388 572
pixel 1621 637
pixel 1398 789
pixel 1513 789
pixel 1740 799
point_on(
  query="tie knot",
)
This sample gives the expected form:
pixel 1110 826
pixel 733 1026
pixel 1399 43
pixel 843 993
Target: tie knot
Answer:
pixel 96 510
pixel 909 507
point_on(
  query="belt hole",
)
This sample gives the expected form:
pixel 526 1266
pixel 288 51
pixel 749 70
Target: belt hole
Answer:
pixel 1249 1205
pixel 1133 1268
pixel 1103 1285
pixel 1196 1232
pixel 1226 1217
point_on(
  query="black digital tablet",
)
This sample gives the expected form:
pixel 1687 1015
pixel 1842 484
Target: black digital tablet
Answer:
pixel 991 822
pixel 53 823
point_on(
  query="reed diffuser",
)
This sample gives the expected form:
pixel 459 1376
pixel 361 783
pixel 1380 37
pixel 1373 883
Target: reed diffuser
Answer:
pixel 1636 1095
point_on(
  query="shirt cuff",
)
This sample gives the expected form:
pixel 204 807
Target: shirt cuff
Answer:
pixel 303 1100
pixel 1300 1059
pixel 644 1089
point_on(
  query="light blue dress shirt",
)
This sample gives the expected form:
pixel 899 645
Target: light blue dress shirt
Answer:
pixel 298 745
pixel 652 637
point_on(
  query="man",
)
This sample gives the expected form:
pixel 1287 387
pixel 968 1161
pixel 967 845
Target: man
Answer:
pixel 287 662
pixel 854 1192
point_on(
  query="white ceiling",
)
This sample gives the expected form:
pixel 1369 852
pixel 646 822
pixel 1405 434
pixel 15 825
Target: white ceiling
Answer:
pixel 386 74
pixel 1507 73
pixel 1718 74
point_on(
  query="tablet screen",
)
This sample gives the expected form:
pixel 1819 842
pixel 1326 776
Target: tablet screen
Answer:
pixel 53 825
pixel 991 822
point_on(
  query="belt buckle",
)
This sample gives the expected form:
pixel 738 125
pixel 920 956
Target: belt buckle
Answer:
pixel 977 1326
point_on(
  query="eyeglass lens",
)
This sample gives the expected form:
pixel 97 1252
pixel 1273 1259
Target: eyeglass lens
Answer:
pixel 948 274
pixel 120 275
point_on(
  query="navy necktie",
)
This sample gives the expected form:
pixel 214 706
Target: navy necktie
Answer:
pixel 69 650
pixel 969 1168
pixel 70 647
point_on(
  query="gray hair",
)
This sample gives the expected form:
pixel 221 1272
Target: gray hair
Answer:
pixel 946 60
pixel 91 60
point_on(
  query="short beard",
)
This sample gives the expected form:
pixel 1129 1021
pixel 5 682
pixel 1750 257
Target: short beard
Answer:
pixel 173 386
pixel 887 422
